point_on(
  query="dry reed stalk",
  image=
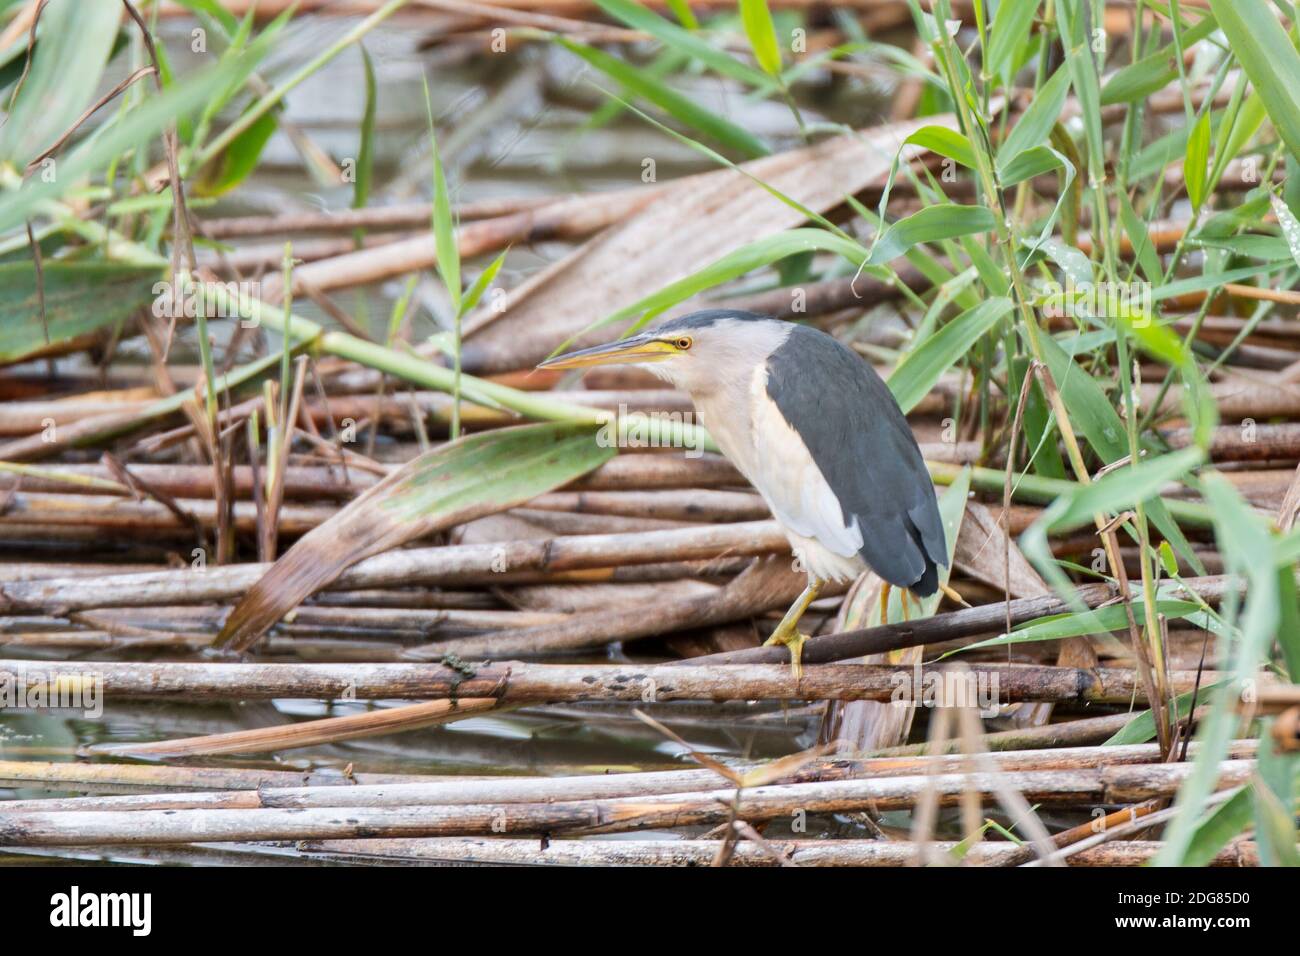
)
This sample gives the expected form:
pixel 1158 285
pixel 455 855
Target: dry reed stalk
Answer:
pixel 518 681
pixel 573 218
pixel 333 645
pixel 285 791
pixel 397 216
pixel 405 568
pixel 967 622
pixel 199 623
pixel 1263 442
pixel 194 481
pixel 1078 732
pixel 1123 784
pixel 34 571
pixel 695 504
pixel 556 522
pixel 768 584
pixel 96 515
pixel 267 257
pixel 28 418
pixel 132 777
pixel 311 733
pixel 847 853
pixel 626 473
pixel 1236 399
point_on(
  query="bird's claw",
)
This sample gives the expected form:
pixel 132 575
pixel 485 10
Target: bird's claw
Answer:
pixel 793 642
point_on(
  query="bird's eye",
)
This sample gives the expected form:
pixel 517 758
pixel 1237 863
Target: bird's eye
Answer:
pixel 684 342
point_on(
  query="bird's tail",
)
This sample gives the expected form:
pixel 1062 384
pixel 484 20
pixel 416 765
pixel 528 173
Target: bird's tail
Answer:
pixel 928 583
pixel 932 549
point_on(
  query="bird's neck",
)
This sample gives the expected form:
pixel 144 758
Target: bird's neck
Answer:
pixel 724 409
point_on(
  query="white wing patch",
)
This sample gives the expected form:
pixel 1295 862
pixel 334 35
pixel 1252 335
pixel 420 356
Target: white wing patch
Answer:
pixel 793 485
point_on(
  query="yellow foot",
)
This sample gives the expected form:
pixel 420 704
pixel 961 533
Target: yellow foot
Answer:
pixel 953 595
pixel 794 643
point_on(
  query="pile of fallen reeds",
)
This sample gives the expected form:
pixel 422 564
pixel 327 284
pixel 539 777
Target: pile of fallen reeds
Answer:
pixel 383 532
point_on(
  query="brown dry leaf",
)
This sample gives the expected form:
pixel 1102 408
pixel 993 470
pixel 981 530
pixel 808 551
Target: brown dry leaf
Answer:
pixel 980 553
pixel 1287 511
pixel 691 224
pixel 457 482
pixel 311 733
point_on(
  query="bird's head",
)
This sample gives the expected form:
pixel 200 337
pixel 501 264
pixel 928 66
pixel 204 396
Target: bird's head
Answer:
pixel 692 352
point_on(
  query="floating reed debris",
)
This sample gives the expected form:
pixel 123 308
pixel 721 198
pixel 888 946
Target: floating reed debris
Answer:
pixel 1128 784
pixel 520 681
pixel 623 852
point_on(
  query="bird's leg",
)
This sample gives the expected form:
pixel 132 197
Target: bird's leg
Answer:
pixel 885 590
pixel 787 632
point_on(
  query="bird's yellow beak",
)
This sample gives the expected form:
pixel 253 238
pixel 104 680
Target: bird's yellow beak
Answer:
pixel 626 351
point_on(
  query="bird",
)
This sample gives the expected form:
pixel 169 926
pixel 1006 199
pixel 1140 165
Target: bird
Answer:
pixel 814 428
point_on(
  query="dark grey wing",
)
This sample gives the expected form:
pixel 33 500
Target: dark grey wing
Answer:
pixel 861 442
